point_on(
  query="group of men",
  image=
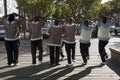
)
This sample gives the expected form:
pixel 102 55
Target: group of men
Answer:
pixel 59 32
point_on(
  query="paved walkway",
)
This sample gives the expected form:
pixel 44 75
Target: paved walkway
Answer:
pixel 92 71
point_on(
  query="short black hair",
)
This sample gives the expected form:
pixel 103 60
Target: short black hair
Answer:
pixel 56 22
pixel 86 22
pixel 11 17
pixel 70 20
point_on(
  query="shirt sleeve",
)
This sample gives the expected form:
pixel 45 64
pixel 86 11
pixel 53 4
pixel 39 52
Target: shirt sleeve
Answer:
pixel 109 24
pixel 79 27
pixel 98 24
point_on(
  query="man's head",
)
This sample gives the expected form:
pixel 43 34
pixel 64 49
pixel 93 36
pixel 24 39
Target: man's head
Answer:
pixel 104 19
pixel 11 17
pixel 86 22
pixel 36 18
pixel 56 22
pixel 70 20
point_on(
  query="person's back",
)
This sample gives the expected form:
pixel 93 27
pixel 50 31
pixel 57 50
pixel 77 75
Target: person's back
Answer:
pixel 69 29
pixel 12 26
pixel 55 32
pixel 35 28
pixel 104 29
pixel 69 33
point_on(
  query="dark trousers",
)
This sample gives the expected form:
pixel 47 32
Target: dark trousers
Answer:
pixel 34 46
pixel 12 48
pixel 102 50
pixel 84 49
pixel 70 49
pixel 61 52
pixel 54 54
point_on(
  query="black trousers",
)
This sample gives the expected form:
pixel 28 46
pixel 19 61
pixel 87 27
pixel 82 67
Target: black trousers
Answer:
pixel 12 48
pixel 102 50
pixel 84 49
pixel 54 54
pixel 70 49
pixel 34 46
pixel 61 52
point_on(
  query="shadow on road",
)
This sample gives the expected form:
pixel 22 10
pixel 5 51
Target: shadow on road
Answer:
pixel 83 73
pixel 45 72
pixel 27 73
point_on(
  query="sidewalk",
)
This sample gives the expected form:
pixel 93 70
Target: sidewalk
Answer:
pixel 92 71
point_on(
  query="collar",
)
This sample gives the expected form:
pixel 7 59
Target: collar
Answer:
pixel 12 22
pixel 56 26
pixel 69 25
pixel 35 22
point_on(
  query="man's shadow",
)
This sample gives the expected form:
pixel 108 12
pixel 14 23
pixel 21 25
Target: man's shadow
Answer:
pixel 62 73
pixel 24 72
pixel 33 73
pixel 83 73
pixel 48 72
pixel 58 73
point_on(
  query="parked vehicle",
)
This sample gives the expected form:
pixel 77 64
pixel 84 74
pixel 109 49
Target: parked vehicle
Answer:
pixel 112 29
pixel 117 30
pixel 2 32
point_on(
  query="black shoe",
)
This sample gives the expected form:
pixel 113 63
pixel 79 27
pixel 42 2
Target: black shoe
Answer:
pixel 103 63
pixel 57 64
pixel 51 64
pixel 85 62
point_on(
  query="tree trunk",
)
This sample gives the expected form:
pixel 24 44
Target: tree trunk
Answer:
pixel 5 7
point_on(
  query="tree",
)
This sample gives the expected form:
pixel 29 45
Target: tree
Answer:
pixel 80 8
pixel 115 5
pixel 42 8
pixel 49 8
pixel 5 7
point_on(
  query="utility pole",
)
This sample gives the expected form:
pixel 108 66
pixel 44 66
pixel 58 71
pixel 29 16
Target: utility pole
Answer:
pixel 5 7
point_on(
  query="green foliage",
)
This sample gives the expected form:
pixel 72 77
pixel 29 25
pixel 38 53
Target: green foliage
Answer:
pixel 60 8
pixel 115 6
pixel 94 9
pixel 42 8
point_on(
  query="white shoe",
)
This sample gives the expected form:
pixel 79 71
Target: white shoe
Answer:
pixel 17 64
pixel 69 65
pixel 40 62
pixel 34 65
pixel 11 65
